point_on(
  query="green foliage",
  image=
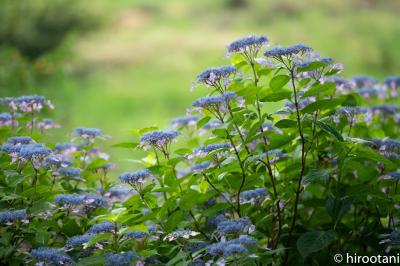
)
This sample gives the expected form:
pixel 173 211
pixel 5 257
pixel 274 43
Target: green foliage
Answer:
pixel 242 186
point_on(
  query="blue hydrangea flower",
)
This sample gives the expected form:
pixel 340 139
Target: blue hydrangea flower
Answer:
pixel 279 52
pixel 201 151
pixel 120 259
pixel 79 240
pixel 324 60
pixel 94 201
pixel 392 82
pixel 230 247
pixel 10 102
pixel 88 132
pixel 235 226
pixel 159 139
pixel 8 216
pixel 117 192
pixel 200 167
pixel 215 104
pixel 62 147
pixel 135 179
pixel 212 124
pixel 273 155
pixel 213 76
pixel 194 247
pixel 57 162
pixel 69 200
pixel 212 222
pixel 34 151
pixel 254 196
pixel 46 123
pixel 31 103
pixel 11 149
pixel 186 234
pixel 5 119
pixel 385 144
pixel 102 227
pixel 233 249
pixel 248 43
pixel 363 81
pixel 22 140
pixel 244 240
pixel 135 234
pixel 52 255
pixel 184 121
pixel 391 176
pixel 385 109
pixel 370 92
pixel 351 110
pixel 74 173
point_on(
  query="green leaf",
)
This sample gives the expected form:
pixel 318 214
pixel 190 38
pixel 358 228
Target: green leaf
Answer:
pixel 92 260
pixel 220 133
pixel 286 123
pixel 316 174
pixel 128 145
pixel 188 199
pixel 13 178
pixel 278 81
pixel 330 130
pixel 322 105
pixel 276 95
pixel 174 219
pixel 180 256
pixel 338 207
pixel 312 242
pixel 97 238
pixel 320 88
pixel 203 121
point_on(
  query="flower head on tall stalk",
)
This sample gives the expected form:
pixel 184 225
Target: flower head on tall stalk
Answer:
pixel 159 139
pixel 35 153
pixel 217 105
pixel 10 216
pixel 46 255
pixel 89 135
pixel 185 121
pixel 136 179
pixel 249 47
pixel 217 77
pixel 288 56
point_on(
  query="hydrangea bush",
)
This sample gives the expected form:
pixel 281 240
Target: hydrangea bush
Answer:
pixel 316 177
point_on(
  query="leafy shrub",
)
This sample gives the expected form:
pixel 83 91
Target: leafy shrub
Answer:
pixel 245 187
pixel 38 27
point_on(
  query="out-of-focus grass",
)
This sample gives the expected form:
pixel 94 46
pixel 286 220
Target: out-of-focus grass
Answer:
pixel 136 70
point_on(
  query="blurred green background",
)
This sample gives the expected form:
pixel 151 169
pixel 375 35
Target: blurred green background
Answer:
pixel 120 65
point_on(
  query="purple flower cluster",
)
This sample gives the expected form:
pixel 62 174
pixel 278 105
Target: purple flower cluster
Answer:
pixel 159 139
pixel 202 151
pixel 239 245
pixel 215 75
pixel 235 226
pixel 254 196
pixel 252 42
pixel 185 121
pixel 279 52
pixel 51 255
pixel 8 216
pixel 103 227
pixel 120 259
pixel 27 104
pixel 135 179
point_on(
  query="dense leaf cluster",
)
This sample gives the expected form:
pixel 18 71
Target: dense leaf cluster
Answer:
pixel 244 185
